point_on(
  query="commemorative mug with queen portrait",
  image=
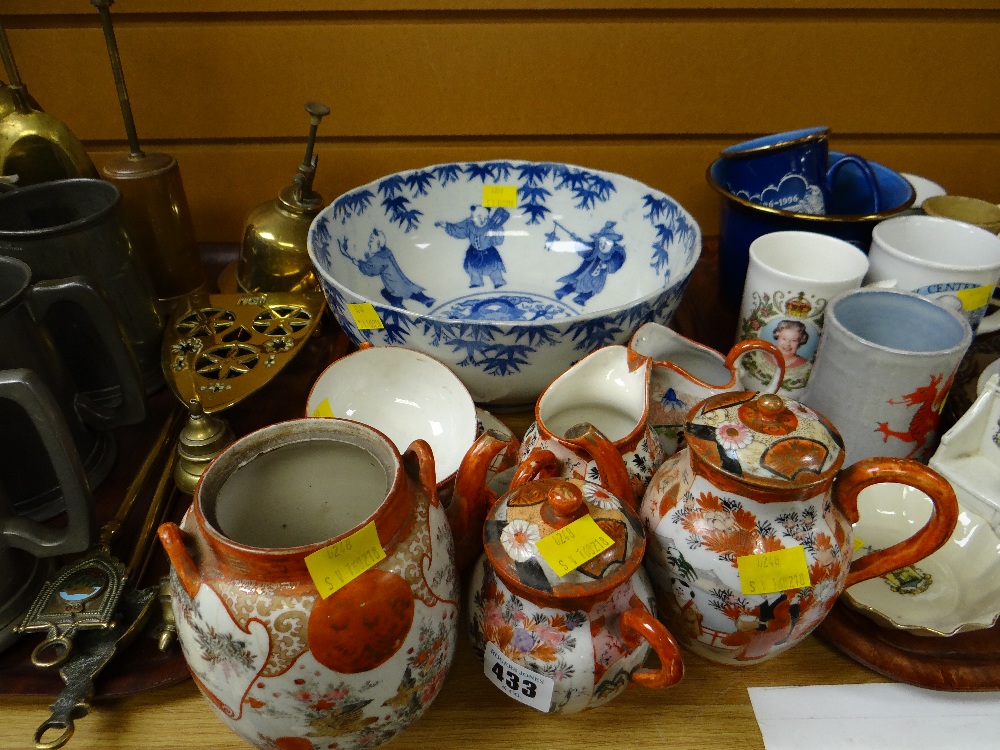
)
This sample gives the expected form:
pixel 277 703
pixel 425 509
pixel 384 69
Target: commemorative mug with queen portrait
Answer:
pixel 790 278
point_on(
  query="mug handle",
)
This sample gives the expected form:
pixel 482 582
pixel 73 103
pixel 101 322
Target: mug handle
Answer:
pixel 76 290
pixel 748 345
pixel 991 323
pixel 25 388
pixel 637 623
pixel 866 172
pixel 931 537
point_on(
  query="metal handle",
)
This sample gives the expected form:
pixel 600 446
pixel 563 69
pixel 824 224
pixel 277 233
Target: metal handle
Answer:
pixel 104 8
pixel 26 388
pixel 62 739
pixel 76 290
pixel 8 60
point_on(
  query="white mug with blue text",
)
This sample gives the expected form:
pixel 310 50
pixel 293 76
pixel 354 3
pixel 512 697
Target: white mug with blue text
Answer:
pixel 939 258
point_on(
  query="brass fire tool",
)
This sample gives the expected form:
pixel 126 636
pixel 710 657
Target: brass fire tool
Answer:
pixel 154 205
pixel 274 256
pixel 94 606
pixel 220 348
pixel 34 146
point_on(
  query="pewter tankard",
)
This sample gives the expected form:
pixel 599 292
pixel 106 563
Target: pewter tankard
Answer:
pixel 70 227
pixel 26 313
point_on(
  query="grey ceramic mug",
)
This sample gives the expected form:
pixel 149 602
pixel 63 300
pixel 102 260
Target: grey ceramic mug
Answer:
pixel 73 227
pixel 883 370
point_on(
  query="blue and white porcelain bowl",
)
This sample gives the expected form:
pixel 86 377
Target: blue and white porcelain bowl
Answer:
pixel 506 271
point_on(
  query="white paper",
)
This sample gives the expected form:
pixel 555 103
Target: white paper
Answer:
pixel 523 685
pixel 880 716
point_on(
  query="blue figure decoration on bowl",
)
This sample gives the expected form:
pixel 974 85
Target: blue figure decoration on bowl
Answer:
pixel 484 231
pixel 481 284
pixel 601 254
pixel 380 261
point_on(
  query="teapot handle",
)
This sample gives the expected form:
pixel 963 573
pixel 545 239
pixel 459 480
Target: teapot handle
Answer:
pixel 938 529
pixel 472 498
pixel 610 464
pixel 637 623
pixel 748 345
pixel 538 464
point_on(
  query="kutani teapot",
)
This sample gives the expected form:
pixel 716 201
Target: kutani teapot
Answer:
pixel 750 525
pixel 564 644
pixel 276 518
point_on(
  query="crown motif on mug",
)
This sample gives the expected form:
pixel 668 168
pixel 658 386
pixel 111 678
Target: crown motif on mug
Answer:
pixel 799 307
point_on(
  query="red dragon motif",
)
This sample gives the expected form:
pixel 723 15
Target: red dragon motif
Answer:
pixel 928 399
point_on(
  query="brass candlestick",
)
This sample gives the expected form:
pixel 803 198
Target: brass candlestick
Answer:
pixel 204 436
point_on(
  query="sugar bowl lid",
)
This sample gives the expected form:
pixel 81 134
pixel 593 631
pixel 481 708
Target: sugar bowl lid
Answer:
pixel 764 440
pixel 544 507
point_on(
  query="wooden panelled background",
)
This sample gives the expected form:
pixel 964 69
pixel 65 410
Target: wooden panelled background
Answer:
pixel 650 89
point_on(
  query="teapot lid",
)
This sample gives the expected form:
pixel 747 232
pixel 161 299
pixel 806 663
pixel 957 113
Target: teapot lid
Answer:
pixel 542 507
pixel 765 440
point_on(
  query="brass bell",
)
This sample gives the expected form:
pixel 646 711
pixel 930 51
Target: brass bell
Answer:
pixel 34 146
pixel 273 257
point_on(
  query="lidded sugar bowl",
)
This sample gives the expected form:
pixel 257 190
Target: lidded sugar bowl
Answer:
pixel 565 643
pixel 750 525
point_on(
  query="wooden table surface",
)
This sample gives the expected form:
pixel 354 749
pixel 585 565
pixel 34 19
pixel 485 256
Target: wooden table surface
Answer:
pixel 710 708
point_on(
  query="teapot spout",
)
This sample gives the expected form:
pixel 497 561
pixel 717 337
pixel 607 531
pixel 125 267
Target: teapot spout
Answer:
pixel 472 498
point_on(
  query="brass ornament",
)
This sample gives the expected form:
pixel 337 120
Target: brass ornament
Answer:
pixel 154 205
pixel 274 257
pixel 34 146
pixel 220 348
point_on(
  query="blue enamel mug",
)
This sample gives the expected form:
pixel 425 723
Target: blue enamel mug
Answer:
pixel 792 171
pixel 741 221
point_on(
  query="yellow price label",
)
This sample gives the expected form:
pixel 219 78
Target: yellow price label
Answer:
pixel 323 409
pixel 500 196
pixel 771 572
pixel 365 316
pixel 574 544
pixel 340 563
pixel 973 299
